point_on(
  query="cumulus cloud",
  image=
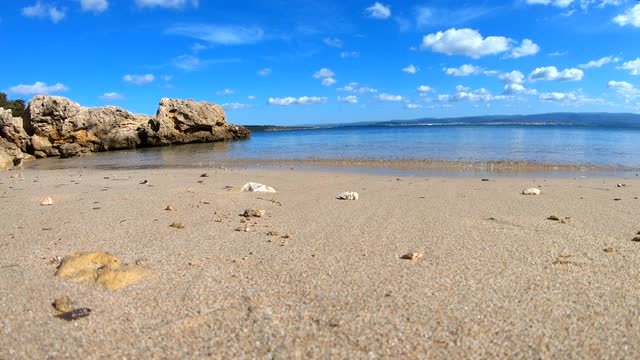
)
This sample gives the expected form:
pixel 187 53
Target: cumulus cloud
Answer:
pixel 467 69
pixel 96 6
pixel 425 89
pixel 138 79
pixel 111 96
pixel 630 17
pixel 333 42
pixel 264 72
pixel 350 99
pixel 464 94
pixel 412 106
pixel 225 92
pixel 328 81
pixel 625 89
pixel 38 88
pixel 323 73
pixel 467 42
pixel 517 89
pixel 569 98
pixel 349 54
pixel 353 87
pixel 633 66
pixel 411 69
pixel 388 98
pixel 599 63
pixel 551 73
pixel 514 77
pixel 219 35
pixel 379 11
pixel 44 10
pixel 175 4
pixel 304 100
pixel 236 106
pixel 526 48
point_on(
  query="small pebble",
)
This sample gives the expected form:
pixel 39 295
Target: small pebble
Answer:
pixel 63 304
pixel 170 208
pixel 254 213
pixel 75 314
pixel 47 201
pixel 412 256
pixel 610 250
pixel 485 179
pixel 554 218
pixel 617 199
pixel 204 175
pixel 273 233
pixel 144 182
pixel 177 225
pixel 636 239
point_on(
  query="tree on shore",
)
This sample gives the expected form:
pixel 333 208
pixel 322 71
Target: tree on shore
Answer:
pixel 17 106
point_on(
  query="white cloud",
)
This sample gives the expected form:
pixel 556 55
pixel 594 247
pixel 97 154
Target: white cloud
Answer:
pixel 166 77
pixel 220 35
pixel 197 47
pixel 364 90
pixel 43 10
pixel 304 100
pixel 236 106
pixel 526 48
pixel 466 70
pixel 333 42
pixel 600 62
pixel 633 66
pixel 323 73
pixel 556 3
pixel 570 98
pixel 38 88
pixel 411 69
pixel 139 79
pixel 251 97
pixel 551 73
pixel 349 87
pixel 517 89
pixel 176 4
pixel 425 89
pixel 328 81
pixel 412 106
pixel 264 72
pixel 514 77
pixel 111 96
pixel 187 62
pixel 463 94
pixel 630 17
pixel 558 53
pixel 379 11
pixel 467 42
pixel 388 98
pixel 96 6
pixel 225 92
pixel 348 54
pixel 351 99
pixel 353 87
pixel 625 89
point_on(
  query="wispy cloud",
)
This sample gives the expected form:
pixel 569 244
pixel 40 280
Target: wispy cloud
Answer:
pixel 411 69
pixel 175 4
pixel 219 35
pixel 333 42
pixel 304 100
pixel 225 92
pixel 388 98
pixel 378 11
pixel 550 73
pixel 95 6
pixel 111 96
pixel 44 10
pixel 600 62
pixel 236 106
pixel 264 72
pixel 139 79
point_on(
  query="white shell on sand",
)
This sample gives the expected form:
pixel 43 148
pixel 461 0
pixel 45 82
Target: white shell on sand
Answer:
pixel 349 195
pixel 531 191
pixel 47 201
pixel 257 187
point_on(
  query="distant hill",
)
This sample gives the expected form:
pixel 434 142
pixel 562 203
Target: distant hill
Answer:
pixel 627 120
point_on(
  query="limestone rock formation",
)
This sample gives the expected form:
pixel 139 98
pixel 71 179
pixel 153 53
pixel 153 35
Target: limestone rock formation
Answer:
pixel 10 154
pixel 12 130
pixel 188 121
pixel 55 121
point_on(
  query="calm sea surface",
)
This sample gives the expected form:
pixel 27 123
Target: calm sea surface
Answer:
pixel 542 144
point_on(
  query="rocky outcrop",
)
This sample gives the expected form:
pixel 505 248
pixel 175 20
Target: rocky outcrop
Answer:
pixel 188 121
pixel 11 129
pixel 57 126
pixel 10 155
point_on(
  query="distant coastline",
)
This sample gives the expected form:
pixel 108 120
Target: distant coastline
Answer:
pixel 622 120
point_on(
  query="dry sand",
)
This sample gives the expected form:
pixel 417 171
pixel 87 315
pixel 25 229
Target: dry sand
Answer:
pixel 497 279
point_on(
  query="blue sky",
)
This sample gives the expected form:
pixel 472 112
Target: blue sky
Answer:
pixel 308 61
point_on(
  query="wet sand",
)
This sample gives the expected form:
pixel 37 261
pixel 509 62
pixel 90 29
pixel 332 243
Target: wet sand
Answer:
pixel 497 279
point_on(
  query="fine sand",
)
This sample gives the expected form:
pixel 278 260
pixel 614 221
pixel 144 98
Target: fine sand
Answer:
pixel 497 279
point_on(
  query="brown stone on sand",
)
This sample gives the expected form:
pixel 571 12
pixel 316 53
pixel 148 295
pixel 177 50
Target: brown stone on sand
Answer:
pixel 254 213
pixel 63 303
pixel 412 256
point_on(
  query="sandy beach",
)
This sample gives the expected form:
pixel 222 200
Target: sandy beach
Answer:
pixel 497 278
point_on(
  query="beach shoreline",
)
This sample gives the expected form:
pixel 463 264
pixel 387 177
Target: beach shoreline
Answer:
pixel 321 277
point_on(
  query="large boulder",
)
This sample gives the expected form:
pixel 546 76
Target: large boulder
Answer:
pixel 12 130
pixel 54 121
pixel 188 121
pixel 10 155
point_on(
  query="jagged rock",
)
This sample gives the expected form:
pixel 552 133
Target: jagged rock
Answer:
pixel 257 187
pixel 54 121
pixel 349 195
pixel 188 121
pixel 531 191
pixel 73 150
pixel 10 154
pixel 12 130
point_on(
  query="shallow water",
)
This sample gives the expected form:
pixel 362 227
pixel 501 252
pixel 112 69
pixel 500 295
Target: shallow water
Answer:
pixel 601 146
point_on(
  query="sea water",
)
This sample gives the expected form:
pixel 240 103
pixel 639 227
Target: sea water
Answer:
pixel 597 146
